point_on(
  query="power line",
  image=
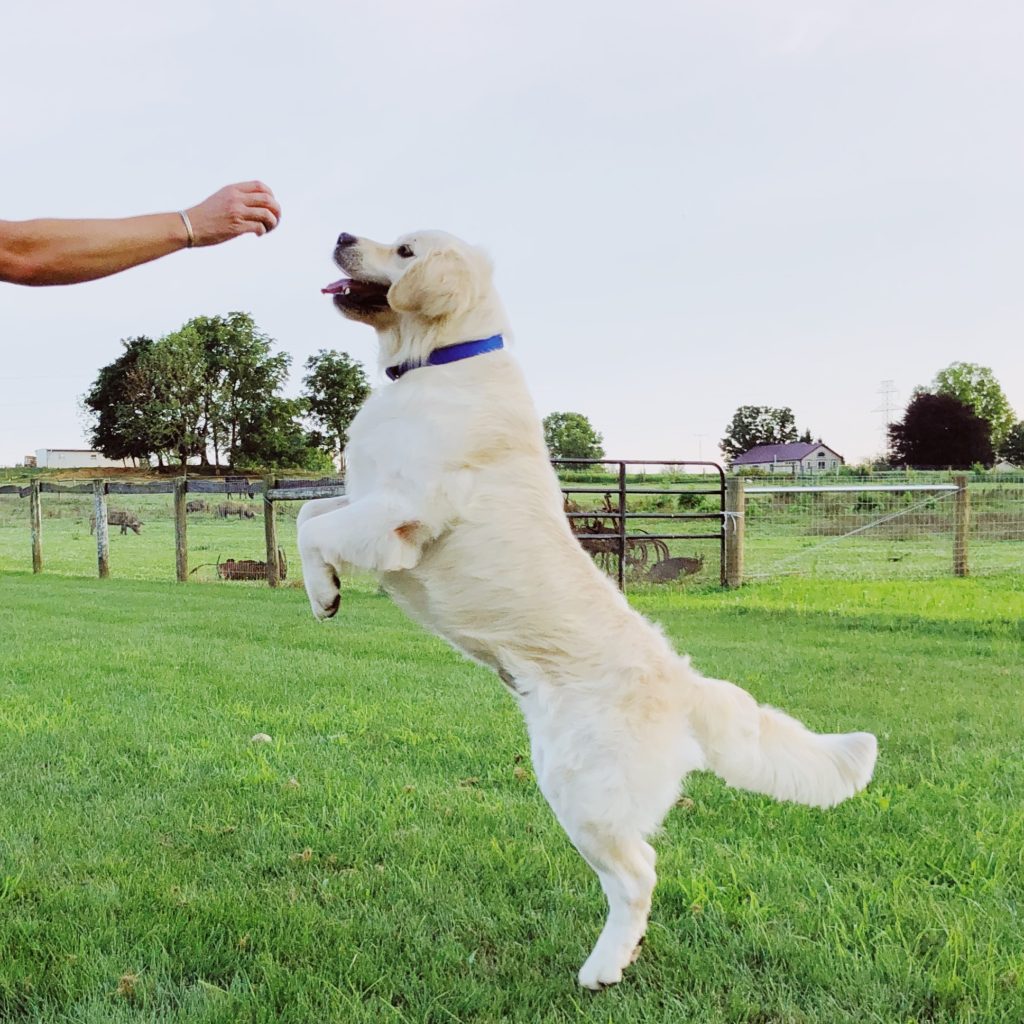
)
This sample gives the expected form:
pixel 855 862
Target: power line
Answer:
pixel 886 407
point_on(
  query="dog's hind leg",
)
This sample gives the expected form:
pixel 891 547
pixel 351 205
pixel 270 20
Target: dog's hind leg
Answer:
pixel 609 787
pixel 625 866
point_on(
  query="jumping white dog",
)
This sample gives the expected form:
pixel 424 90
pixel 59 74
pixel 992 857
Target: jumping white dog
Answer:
pixel 451 498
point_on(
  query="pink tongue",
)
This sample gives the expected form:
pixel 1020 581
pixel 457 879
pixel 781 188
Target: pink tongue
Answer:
pixel 337 287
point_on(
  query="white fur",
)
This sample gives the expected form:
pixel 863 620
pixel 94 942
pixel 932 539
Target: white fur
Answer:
pixel 452 499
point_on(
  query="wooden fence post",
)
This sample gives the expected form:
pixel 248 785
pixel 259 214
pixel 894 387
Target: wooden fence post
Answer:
pixel 270 532
pixel 181 529
pixel 735 520
pixel 99 493
pixel 35 513
pixel 962 525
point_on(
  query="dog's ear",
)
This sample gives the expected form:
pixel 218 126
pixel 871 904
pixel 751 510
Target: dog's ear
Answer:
pixel 439 284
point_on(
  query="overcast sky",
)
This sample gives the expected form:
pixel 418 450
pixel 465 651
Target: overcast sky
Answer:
pixel 691 205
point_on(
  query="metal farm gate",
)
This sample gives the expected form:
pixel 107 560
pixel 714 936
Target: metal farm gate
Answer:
pixel 611 531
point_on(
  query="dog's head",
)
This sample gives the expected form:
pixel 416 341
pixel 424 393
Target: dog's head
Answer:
pixel 428 286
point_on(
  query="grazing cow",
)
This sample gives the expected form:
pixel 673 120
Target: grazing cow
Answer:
pixel 119 517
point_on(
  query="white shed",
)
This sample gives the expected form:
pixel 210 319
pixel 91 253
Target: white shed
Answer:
pixel 75 458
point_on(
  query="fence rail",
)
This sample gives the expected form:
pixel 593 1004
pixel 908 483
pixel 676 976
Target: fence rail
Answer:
pixel 181 488
pixel 618 540
pixel 614 534
pixel 631 520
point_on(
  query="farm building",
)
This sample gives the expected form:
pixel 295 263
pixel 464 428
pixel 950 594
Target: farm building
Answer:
pixel 797 457
pixel 74 458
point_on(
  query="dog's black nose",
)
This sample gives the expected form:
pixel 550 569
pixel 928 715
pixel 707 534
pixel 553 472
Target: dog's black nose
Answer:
pixel 346 239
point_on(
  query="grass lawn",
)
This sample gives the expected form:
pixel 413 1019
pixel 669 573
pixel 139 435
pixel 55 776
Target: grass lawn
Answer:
pixel 387 856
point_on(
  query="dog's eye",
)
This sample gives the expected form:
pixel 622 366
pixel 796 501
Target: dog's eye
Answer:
pixel 405 251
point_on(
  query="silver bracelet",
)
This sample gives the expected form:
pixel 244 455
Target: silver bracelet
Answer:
pixel 188 227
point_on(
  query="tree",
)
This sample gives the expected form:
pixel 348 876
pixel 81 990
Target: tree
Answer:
pixel 275 438
pixel 214 383
pixel 118 425
pixel 939 432
pixel 334 389
pixel 977 387
pixel 240 377
pixel 570 435
pixel 1012 448
pixel 171 375
pixel 752 425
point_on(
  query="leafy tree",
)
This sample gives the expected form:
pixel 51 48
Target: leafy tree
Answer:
pixel 752 425
pixel 214 383
pixel 940 431
pixel 275 438
pixel 240 377
pixel 172 377
pixel 1012 448
pixel 334 388
pixel 117 426
pixel 977 387
pixel 806 437
pixel 570 435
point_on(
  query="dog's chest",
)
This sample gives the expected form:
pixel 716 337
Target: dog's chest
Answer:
pixel 401 440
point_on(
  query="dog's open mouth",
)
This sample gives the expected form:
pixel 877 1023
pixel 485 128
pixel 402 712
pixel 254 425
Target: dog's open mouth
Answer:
pixel 359 296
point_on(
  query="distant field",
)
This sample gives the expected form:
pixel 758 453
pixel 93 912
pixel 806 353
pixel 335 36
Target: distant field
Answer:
pixel 388 858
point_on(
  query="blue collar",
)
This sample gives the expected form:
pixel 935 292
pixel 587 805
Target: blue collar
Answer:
pixel 448 354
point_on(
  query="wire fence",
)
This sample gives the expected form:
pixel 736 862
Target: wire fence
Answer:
pixel 879 530
pixel 886 527
pixel 224 530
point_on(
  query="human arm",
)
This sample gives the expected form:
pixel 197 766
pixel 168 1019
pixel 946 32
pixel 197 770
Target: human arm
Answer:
pixel 51 251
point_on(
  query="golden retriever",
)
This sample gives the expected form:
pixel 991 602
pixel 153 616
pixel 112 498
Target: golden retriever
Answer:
pixel 451 498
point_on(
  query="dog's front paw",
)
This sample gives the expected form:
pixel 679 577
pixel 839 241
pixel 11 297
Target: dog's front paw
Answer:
pixel 320 578
pixel 324 592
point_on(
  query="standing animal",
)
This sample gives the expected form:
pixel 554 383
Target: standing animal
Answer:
pixel 233 508
pixel 669 569
pixel 196 506
pixel 119 517
pixel 238 485
pixel 452 500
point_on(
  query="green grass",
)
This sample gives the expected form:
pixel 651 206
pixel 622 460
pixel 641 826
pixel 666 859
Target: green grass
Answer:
pixel 388 858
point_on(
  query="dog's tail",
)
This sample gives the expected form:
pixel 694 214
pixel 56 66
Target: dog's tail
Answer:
pixel 761 749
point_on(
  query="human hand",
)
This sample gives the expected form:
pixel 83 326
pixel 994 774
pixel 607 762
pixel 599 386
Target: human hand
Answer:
pixel 249 207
